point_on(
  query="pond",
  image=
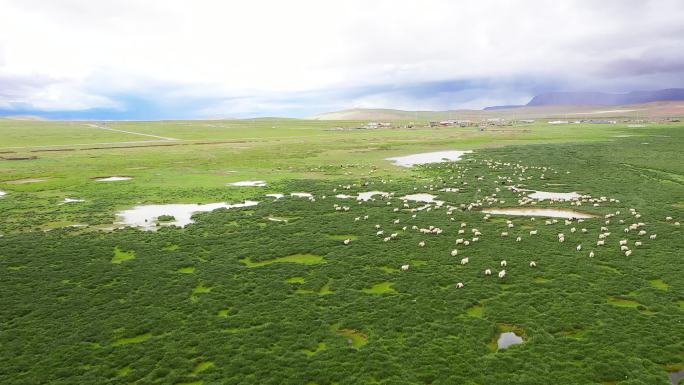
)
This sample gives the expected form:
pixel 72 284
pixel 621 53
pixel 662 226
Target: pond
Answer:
pixel 145 216
pixel 26 181
pixel 551 213
pixel 507 339
pixel 364 196
pixel 427 157
pixel 543 195
pixel 113 178
pixel 675 377
pixel 248 183
pixel 71 200
pixel 422 197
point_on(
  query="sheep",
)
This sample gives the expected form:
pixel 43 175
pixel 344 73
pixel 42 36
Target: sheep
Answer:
pixel 668 218
pixel 642 232
pixel 459 240
pixel 386 239
pixel 502 274
pixel 579 247
pixel 454 252
pixel 600 243
pixel 637 243
pixel 488 272
pixel 503 263
pixel 572 230
pixel 518 239
pixel 347 241
pixel 466 243
pixel 459 285
pixel 504 234
pixel 475 239
pixel 421 243
pixel 624 248
pixel 591 254
pixel 653 236
pixel 603 228
pixel 561 240
pixel 464 261
pixel 460 232
pixel 628 253
pixel 533 264
pixel 623 242
pixel 405 267
pixel 533 232
pixel 379 233
pixel 584 231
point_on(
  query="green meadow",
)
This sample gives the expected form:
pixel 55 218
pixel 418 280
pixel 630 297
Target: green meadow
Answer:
pixel 239 298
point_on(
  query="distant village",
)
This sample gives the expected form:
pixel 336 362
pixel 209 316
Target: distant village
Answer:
pixel 499 122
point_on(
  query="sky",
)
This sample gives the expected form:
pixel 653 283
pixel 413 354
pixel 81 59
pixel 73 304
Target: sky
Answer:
pixel 166 59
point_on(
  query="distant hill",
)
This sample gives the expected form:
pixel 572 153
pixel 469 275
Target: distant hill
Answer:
pixel 22 117
pixel 606 99
pixel 506 107
pixel 642 110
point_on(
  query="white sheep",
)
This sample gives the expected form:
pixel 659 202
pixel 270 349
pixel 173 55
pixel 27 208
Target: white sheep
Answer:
pixel 421 243
pixel 623 242
pixel 347 241
pixel 405 267
pixel 533 264
pixel 504 234
pixel 518 239
pixel 579 247
pixel 502 274
pixel 653 236
pixel 637 243
pixel 488 272
pixel 464 261
pixel 459 285
pixel 642 232
pixel 503 263
pixel 533 232
pixel 454 252
pixel 600 243
pixel 624 248
pixel 591 254
pixel 628 253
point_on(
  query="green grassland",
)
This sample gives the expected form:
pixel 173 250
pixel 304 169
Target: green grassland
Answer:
pixel 236 298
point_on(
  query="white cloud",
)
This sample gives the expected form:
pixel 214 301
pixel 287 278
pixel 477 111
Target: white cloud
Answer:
pixel 251 49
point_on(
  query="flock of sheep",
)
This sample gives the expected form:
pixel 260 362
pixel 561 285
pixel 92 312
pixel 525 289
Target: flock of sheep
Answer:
pixel 631 222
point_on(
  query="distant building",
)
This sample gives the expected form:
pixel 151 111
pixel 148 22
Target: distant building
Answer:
pixel 377 125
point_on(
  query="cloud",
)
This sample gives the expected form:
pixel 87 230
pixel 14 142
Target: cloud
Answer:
pixel 269 56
